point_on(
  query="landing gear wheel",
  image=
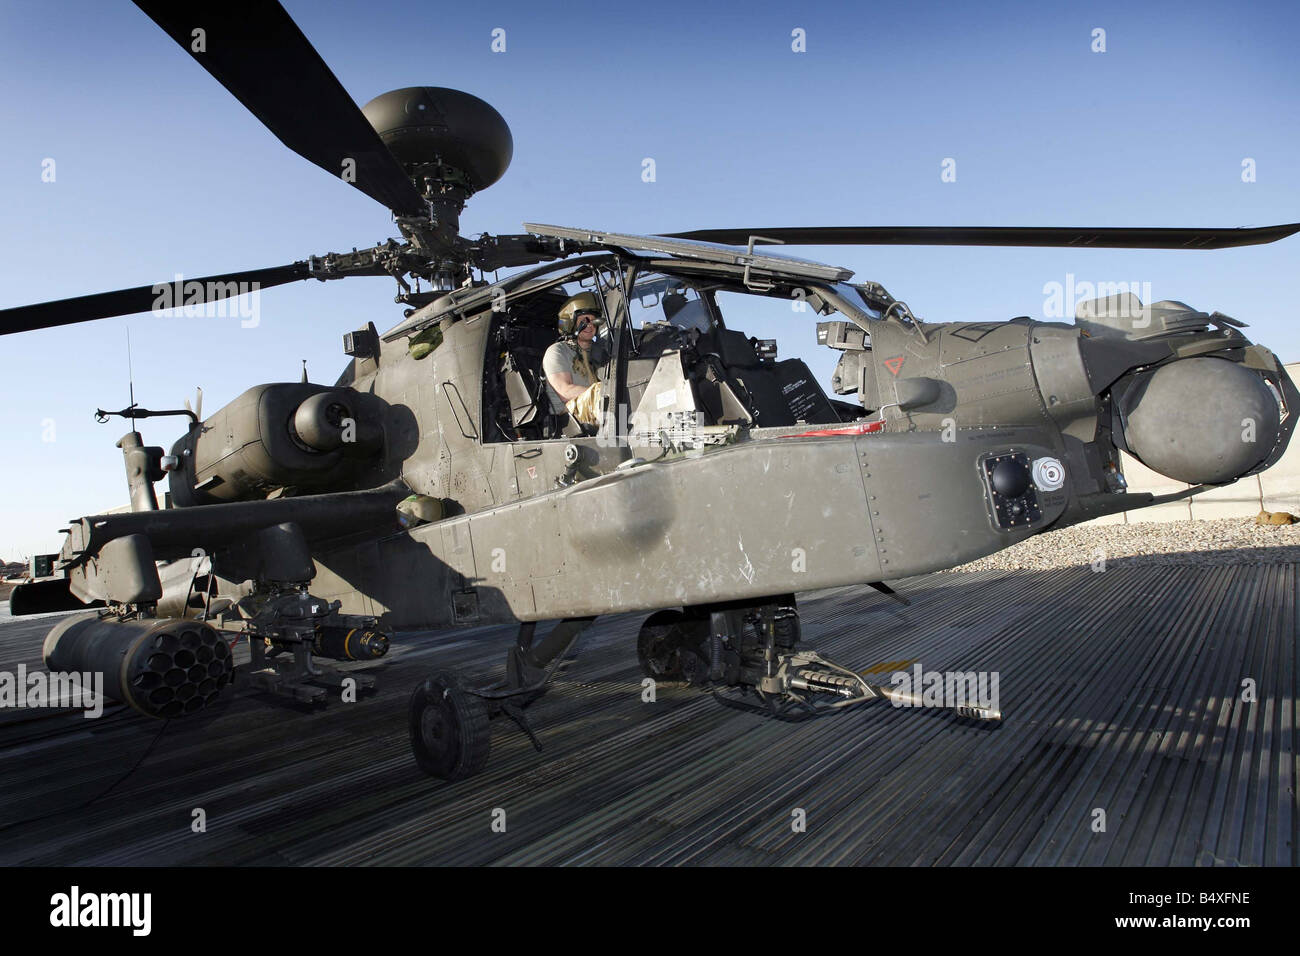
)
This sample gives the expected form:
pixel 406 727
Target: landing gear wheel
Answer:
pixel 666 648
pixel 450 733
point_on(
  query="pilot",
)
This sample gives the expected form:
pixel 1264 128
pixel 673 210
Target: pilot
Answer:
pixel 572 365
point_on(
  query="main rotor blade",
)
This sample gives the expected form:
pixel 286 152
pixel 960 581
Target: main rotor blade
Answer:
pixel 1103 238
pixel 255 50
pixel 146 298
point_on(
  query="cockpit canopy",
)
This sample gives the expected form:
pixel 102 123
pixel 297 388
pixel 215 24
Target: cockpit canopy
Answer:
pixel 673 356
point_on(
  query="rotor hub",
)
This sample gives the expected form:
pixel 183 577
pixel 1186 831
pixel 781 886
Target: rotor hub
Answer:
pixel 448 141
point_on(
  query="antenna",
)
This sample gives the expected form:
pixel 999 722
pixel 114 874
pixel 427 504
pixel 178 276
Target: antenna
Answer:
pixel 197 407
pixel 130 377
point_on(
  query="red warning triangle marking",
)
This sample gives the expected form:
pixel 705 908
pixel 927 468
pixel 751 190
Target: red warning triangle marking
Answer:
pixel 894 365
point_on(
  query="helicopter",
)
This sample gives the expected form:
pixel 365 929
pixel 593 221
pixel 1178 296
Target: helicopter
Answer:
pixel 438 484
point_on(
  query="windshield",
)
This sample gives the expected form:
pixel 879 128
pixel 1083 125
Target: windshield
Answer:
pixel 659 300
pixel 853 296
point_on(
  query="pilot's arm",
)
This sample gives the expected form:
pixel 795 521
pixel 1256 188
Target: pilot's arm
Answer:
pixel 564 386
pixel 557 363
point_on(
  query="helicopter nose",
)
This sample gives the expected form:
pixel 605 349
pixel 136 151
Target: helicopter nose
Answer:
pixel 1201 420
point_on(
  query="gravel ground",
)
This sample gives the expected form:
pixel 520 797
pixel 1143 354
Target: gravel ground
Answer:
pixel 1224 541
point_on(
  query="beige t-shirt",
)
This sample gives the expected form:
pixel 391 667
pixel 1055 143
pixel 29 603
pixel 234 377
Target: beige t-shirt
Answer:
pixel 562 357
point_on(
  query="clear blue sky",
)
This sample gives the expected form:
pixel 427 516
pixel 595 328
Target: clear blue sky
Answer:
pixel 159 171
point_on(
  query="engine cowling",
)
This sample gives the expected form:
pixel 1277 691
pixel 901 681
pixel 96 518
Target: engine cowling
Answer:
pixel 277 436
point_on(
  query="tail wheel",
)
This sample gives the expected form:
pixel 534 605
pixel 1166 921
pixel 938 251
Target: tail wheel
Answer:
pixel 450 730
pixel 668 647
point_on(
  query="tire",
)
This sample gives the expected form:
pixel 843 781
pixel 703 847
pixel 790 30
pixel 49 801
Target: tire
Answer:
pixel 450 729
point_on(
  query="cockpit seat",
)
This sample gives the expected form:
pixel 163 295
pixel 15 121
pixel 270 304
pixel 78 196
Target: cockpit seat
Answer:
pixel 530 408
pixel 524 392
pixel 733 348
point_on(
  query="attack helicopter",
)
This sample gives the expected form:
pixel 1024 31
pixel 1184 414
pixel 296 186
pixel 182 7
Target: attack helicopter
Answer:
pixel 436 484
